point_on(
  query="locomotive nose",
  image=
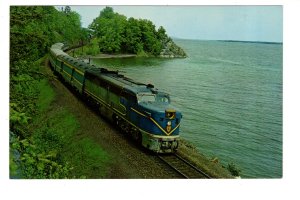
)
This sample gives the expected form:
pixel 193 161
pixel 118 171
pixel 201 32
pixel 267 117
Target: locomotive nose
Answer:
pixel 170 113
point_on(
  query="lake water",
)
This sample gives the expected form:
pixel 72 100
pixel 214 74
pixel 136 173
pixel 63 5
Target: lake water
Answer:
pixel 230 94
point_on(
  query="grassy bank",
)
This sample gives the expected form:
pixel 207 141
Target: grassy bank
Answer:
pixel 57 133
pixel 54 150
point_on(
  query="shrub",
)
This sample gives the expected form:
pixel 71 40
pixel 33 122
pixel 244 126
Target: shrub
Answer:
pixel 233 169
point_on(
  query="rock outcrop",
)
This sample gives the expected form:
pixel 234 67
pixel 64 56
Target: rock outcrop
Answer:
pixel 171 50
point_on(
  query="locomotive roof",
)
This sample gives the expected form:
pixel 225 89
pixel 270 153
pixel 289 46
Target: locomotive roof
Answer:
pixel 76 62
pixel 120 80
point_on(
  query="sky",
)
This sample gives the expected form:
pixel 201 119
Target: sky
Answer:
pixel 246 23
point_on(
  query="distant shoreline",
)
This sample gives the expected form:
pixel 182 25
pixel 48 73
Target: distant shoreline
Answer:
pixel 261 42
pixel 242 41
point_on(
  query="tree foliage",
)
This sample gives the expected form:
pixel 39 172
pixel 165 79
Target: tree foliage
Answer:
pixel 121 35
pixel 33 29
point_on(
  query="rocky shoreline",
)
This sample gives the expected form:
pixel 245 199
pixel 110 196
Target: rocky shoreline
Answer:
pixel 171 50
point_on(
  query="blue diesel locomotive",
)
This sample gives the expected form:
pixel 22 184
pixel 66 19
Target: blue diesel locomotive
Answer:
pixel 138 109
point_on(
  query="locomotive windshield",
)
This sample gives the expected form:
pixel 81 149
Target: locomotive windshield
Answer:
pixel 150 97
pixel 145 97
pixel 162 98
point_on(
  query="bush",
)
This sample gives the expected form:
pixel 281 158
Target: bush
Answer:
pixel 28 161
pixel 93 50
pixel 233 169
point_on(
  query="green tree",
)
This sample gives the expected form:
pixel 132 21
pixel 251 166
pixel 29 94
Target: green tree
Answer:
pixel 133 34
pixel 33 29
pixel 161 34
pixel 117 34
pixel 109 28
pixel 149 38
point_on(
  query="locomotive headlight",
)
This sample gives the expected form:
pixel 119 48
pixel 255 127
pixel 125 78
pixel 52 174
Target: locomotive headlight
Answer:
pixel 168 128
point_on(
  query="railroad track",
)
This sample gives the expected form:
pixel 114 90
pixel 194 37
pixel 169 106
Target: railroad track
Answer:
pixel 182 167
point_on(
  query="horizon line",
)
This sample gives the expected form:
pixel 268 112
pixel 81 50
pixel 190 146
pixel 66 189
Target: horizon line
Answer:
pixel 231 40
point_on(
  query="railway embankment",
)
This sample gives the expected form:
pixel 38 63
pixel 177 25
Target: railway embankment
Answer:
pixel 117 156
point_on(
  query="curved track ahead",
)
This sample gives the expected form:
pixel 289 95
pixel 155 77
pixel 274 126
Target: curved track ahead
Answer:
pixel 184 168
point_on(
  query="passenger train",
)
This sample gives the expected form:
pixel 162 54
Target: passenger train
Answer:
pixel 138 109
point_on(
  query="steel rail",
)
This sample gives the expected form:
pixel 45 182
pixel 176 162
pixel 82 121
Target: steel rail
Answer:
pixel 188 165
pixel 174 168
pixel 195 168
